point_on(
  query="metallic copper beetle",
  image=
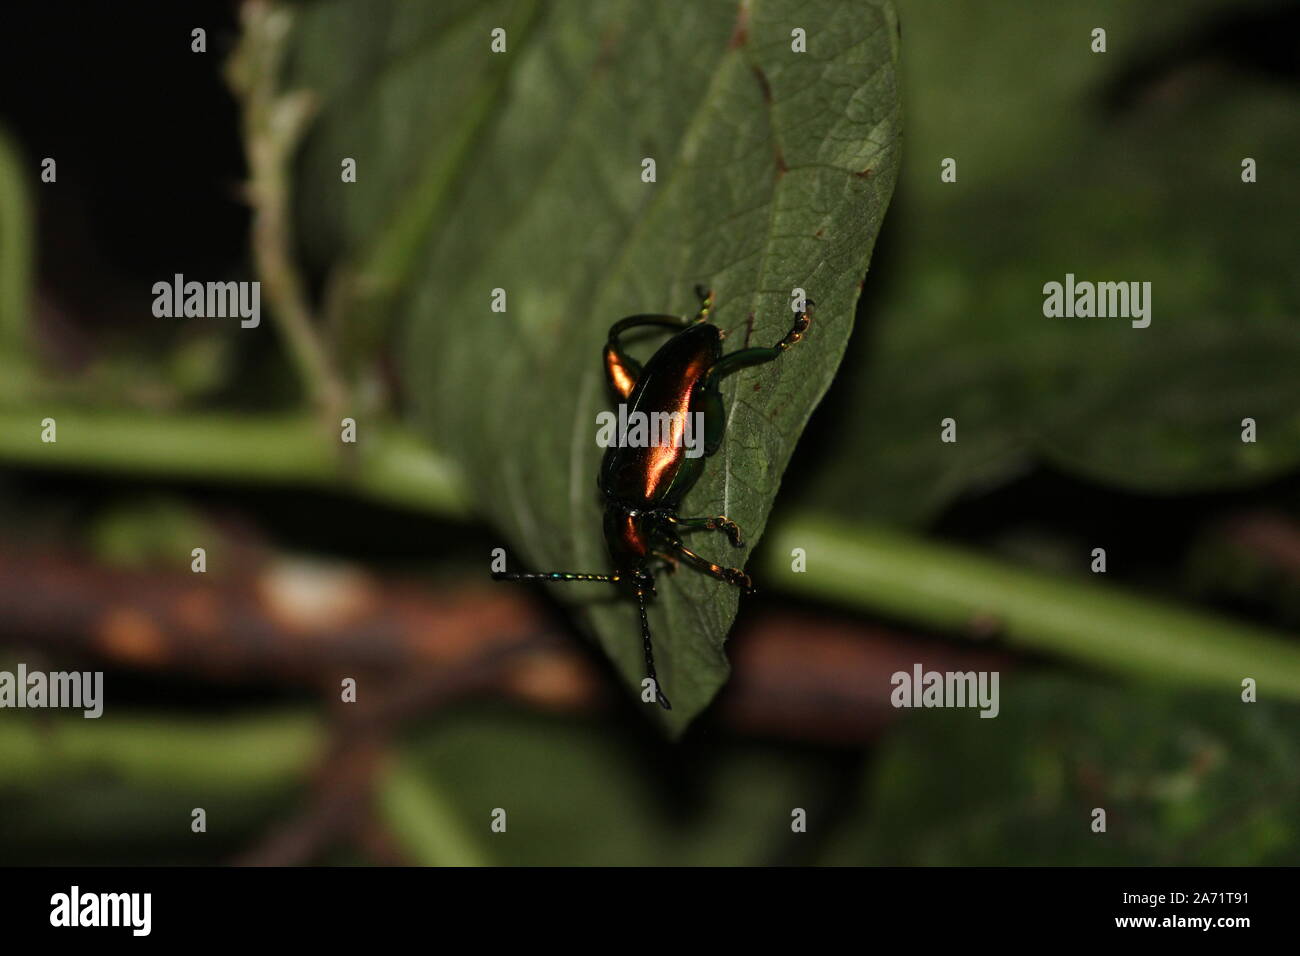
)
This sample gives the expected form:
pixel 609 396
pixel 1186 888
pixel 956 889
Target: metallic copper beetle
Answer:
pixel 644 485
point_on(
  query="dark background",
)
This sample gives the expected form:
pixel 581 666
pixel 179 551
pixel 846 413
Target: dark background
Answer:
pixel 150 164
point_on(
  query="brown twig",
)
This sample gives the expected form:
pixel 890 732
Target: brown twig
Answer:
pixel 414 650
pixel 1274 538
pixel 796 675
pixel 273 124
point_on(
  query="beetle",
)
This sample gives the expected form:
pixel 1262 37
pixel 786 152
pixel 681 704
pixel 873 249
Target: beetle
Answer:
pixel 643 486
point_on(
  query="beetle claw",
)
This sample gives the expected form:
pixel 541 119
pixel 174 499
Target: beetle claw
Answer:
pixel 740 579
pixel 730 528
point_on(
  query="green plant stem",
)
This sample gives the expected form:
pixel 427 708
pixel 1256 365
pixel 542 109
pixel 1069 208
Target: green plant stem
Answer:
pixel 221 753
pixel 390 465
pixel 949 588
pixel 872 569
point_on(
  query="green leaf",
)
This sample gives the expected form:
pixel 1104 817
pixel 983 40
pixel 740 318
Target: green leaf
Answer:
pixel 405 90
pixel 1185 779
pixel 1051 179
pixel 773 172
pixel 522 171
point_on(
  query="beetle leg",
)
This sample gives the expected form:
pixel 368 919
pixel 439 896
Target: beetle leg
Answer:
pixel 621 369
pixel 731 575
pixel 669 559
pixel 757 356
pixel 711 523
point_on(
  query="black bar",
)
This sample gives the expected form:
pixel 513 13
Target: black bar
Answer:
pixel 331 906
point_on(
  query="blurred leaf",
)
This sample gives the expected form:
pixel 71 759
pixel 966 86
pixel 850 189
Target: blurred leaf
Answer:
pixel 156 530
pixel 405 89
pixel 773 172
pixel 121 788
pixel 1056 175
pixel 395 86
pixel 575 794
pixel 1185 780
pixel 98 820
pixel 422 821
pixel 15 270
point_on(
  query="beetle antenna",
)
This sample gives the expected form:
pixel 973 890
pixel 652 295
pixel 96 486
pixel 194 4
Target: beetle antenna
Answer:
pixel 649 650
pixel 555 576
